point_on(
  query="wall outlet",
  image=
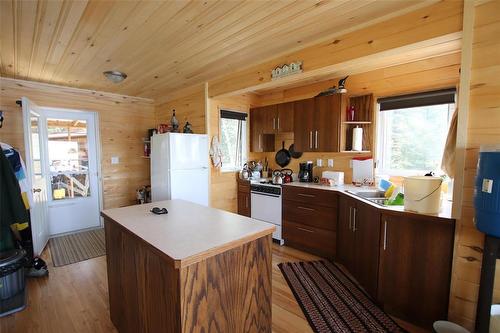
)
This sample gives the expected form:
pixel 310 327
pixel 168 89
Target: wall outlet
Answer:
pixel 115 159
pixel 319 162
pixel 330 162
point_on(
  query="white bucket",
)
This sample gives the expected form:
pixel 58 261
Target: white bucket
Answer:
pixel 423 194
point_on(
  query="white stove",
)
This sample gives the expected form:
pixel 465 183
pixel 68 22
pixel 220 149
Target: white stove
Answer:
pixel 266 205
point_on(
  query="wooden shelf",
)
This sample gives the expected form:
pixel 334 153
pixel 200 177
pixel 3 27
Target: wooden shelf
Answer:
pixel 356 122
pixel 355 151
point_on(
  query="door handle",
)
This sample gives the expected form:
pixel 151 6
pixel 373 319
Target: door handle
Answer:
pixel 278 123
pixel 37 190
pixel 306 208
pixel 260 147
pixel 306 230
pixel 274 123
pixel 310 139
pixel 316 139
pixel 246 202
pixel 385 235
pixel 306 195
pixel 354 220
pixel 350 217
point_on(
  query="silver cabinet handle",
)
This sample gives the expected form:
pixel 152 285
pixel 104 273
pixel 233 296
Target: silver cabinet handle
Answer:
pixel 306 195
pixel 316 139
pixel 278 122
pixel 306 230
pixel 354 220
pixel 306 208
pixel 311 139
pixel 274 123
pixel 260 147
pixel 385 235
pixel 246 201
pixel 350 217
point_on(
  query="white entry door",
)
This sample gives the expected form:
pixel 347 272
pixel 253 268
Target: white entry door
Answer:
pixel 33 127
pixel 71 168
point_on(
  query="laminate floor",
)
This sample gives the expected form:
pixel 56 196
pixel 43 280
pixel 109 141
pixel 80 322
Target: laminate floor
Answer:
pixel 74 298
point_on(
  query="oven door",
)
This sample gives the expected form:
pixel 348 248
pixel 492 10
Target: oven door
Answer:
pixel 266 207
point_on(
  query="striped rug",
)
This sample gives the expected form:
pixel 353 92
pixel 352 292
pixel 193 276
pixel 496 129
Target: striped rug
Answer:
pixel 77 247
pixel 332 301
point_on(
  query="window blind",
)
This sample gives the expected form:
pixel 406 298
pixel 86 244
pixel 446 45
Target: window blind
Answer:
pixel 233 115
pixel 443 96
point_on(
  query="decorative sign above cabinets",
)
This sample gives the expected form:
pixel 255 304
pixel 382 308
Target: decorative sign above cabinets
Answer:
pixel 286 69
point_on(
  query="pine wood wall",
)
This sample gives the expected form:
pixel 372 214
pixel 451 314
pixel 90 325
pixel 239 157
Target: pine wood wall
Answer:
pixel 123 122
pixel 483 128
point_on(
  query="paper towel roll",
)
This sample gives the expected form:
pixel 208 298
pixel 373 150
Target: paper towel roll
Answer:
pixel 357 139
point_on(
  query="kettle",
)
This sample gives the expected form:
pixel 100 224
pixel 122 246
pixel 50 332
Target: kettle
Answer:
pixel 244 173
pixel 277 177
pixel 287 175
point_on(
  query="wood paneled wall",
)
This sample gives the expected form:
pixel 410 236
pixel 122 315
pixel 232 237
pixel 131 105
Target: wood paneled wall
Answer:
pixel 223 184
pixel 189 108
pixel 123 122
pixel 483 128
pixel 428 74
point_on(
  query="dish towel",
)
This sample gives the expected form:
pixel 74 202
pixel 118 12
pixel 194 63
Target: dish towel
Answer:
pixel 216 152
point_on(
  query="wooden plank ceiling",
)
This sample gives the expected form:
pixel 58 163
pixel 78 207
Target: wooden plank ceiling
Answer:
pixel 165 46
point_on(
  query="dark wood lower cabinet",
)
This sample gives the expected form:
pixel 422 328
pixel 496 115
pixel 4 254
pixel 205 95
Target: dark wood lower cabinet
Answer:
pixel 415 267
pixel 243 194
pixel 358 241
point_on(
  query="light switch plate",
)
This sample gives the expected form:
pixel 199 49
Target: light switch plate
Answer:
pixel 487 185
pixel 115 159
pixel 330 162
pixel 319 162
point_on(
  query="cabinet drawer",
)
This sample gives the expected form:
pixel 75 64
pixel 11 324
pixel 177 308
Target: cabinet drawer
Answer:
pixel 312 215
pixel 317 241
pixel 311 196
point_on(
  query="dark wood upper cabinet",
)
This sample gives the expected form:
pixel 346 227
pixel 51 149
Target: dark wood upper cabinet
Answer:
pixel 415 267
pixel 260 140
pixel 284 119
pixel 303 123
pixel 268 121
pixel 327 121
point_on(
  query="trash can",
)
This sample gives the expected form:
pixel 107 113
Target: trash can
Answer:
pixel 12 282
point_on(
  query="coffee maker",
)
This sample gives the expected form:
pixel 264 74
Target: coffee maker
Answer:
pixel 306 172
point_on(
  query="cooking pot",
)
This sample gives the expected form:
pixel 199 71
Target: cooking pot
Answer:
pixel 277 177
pixel 287 175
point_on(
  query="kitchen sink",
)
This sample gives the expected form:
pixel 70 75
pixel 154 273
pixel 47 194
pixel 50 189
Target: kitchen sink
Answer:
pixel 376 196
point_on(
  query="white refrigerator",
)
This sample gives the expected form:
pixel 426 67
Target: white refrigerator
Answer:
pixel 179 167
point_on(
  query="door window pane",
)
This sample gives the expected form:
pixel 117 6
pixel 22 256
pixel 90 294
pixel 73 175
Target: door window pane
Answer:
pixel 67 186
pixel 68 158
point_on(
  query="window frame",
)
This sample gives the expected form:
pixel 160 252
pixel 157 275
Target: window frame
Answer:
pixel 244 139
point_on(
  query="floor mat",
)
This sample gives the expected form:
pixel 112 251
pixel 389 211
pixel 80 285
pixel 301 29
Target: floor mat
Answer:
pixel 332 301
pixel 77 247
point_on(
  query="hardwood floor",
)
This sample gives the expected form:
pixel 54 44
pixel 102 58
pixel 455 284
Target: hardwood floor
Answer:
pixel 74 298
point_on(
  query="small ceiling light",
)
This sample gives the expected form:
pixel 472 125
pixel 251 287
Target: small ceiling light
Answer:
pixel 115 76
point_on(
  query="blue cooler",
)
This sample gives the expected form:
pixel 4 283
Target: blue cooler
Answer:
pixel 487 193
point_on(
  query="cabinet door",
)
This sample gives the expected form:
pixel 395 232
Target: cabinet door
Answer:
pixel 244 203
pixel 326 135
pixel 260 124
pixel 284 121
pixel 269 119
pixel 303 119
pixel 366 227
pixel 415 267
pixel 345 235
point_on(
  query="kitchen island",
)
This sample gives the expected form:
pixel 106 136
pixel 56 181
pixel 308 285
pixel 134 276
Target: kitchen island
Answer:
pixel 194 269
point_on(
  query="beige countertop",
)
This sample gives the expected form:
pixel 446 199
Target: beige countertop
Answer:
pixel 189 232
pixel 445 206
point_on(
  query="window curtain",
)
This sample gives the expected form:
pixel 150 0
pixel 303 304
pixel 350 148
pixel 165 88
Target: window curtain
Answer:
pixel 448 161
pixel 443 96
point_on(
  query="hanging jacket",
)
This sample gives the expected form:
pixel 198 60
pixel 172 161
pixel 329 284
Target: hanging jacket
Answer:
pixel 12 208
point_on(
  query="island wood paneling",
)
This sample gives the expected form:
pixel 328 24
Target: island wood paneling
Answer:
pixel 123 122
pixel 483 128
pixel 228 292
pixel 165 45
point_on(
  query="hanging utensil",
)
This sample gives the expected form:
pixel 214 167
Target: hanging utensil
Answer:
pixel 293 152
pixel 283 156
